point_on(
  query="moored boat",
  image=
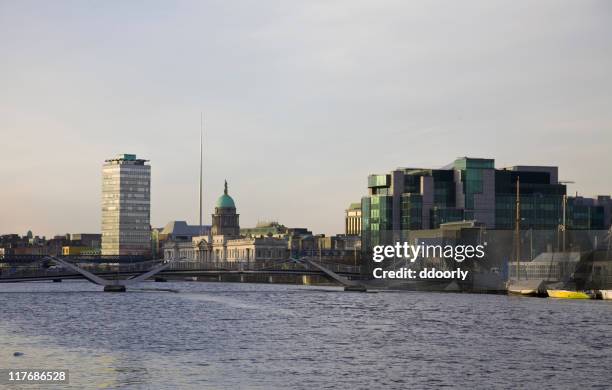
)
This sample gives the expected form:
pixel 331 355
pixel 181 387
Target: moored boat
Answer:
pixel 568 294
pixel 524 292
pixel 527 288
pixel 605 294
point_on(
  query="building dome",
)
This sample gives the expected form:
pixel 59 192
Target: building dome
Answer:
pixel 225 201
pixel 225 221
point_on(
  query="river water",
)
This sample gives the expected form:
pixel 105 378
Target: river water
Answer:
pixel 266 336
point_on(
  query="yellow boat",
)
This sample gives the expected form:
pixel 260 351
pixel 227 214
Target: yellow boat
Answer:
pixel 567 294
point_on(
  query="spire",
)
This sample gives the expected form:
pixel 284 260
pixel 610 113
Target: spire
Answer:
pixel 225 190
pixel 201 148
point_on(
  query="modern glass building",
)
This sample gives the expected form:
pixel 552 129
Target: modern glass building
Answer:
pixel 472 189
pixel 126 206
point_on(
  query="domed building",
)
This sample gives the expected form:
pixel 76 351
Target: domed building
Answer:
pixel 225 243
pixel 225 221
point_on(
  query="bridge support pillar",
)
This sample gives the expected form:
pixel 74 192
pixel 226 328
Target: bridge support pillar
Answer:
pixel 114 288
pixel 356 288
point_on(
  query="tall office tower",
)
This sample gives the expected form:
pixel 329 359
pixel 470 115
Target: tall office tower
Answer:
pixel 126 206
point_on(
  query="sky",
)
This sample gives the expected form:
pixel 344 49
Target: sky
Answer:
pixel 302 100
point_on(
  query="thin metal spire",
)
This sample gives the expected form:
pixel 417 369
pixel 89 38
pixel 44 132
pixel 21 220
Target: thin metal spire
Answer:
pixel 201 153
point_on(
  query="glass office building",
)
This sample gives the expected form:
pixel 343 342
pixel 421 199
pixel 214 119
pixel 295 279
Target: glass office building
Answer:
pixel 126 199
pixel 472 189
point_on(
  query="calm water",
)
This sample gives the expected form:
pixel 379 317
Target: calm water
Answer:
pixel 257 336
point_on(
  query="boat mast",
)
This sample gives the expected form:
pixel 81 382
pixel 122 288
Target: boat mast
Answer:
pixel 517 228
pixel 563 226
pixel 564 221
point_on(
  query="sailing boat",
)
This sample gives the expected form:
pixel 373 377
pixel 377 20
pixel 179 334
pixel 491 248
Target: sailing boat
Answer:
pixel 560 293
pixel 529 288
pixel 607 294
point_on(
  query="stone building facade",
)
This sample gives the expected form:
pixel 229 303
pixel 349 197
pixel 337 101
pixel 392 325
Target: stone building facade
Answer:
pixel 225 243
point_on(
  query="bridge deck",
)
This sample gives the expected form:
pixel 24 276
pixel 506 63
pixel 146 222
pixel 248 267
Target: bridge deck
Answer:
pixel 103 274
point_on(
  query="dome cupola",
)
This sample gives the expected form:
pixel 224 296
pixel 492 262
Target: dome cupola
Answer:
pixel 225 220
pixel 225 201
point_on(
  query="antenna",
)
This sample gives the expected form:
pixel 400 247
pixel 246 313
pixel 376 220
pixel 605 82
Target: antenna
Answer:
pixel 201 140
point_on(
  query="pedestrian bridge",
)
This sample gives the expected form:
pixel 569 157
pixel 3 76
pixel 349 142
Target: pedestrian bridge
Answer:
pixel 118 275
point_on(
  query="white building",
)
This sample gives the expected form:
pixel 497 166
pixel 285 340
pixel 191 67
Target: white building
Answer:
pixel 224 243
pixel 126 206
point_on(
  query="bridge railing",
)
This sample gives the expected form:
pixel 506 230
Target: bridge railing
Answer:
pixel 37 270
pixel 255 266
pixel 25 259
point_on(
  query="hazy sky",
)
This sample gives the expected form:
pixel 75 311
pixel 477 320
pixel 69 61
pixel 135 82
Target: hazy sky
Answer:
pixel 302 100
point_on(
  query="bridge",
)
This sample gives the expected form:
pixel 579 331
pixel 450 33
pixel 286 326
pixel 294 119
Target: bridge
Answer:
pixel 116 274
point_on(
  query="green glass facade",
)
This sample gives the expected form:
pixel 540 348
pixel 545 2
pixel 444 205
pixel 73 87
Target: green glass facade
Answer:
pixel 541 201
pixel 471 189
pixel 379 217
pixel 439 216
pixel 585 216
pixel 471 175
pixel 412 211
